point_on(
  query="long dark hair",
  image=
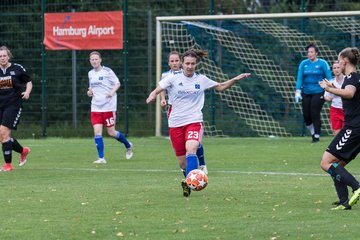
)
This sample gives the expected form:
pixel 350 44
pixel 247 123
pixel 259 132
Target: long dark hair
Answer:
pixel 196 53
pixel 352 54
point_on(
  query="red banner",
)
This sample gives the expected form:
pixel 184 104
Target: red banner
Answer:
pixel 83 30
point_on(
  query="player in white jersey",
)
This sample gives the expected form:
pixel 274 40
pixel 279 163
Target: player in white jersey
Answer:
pixel 336 108
pixel 185 113
pixel 174 62
pixel 103 84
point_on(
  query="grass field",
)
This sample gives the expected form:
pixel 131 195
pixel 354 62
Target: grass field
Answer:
pixel 258 188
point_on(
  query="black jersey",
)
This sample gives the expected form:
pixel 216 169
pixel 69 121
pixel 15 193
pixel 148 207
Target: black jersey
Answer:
pixel 12 81
pixel 352 106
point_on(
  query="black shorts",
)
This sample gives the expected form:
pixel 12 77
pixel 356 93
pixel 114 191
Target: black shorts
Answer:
pixel 346 144
pixel 10 117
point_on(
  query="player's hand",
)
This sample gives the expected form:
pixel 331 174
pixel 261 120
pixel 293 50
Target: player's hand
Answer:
pixel 151 98
pixel 89 92
pixel 298 97
pixel 25 95
pixel 109 95
pixel 163 102
pixel 325 84
pixel 241 76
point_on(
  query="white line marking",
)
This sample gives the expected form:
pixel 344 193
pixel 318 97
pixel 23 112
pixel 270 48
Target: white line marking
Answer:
pixel 214 171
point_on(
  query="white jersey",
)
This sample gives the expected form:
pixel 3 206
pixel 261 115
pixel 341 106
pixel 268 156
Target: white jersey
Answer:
pixel 165 74
pixel 336 101
pixel 102 82
pixel 187 97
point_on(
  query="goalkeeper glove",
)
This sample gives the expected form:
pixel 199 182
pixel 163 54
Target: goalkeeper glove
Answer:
pixel 298 97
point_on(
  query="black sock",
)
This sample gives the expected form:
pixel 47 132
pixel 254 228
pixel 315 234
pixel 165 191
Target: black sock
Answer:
pixel 7 148
pixel 16 146
pixel 339 173
pixel 342 191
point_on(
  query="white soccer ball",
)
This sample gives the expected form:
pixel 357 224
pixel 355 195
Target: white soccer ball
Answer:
pixel 196 180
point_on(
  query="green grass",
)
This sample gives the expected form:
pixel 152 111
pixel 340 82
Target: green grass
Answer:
pixel 258 188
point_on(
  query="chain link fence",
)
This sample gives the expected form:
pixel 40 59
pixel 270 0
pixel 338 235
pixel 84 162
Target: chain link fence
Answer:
pixel 51 110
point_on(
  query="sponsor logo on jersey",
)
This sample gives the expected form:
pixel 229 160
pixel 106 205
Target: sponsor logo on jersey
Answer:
pixel 6 82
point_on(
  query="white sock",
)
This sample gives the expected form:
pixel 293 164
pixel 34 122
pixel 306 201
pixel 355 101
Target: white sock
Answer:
pixel 311 129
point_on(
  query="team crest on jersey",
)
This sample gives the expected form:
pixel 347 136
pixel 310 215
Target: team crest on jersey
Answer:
pixel 12 73
pixel 101 78
pixel 197 86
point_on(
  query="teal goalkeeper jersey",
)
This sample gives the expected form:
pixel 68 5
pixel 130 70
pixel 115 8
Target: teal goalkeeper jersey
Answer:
pixel 310 74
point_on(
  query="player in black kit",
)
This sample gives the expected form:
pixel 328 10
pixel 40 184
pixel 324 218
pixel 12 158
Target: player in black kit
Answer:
pixel 346 145
pixel 13 78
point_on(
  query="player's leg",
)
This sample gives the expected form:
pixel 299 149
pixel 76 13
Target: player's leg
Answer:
pixel 109 121
pixel 10 118
pixel 201 158
pixel 96 121
pixel 24 151
pixel 306 107
pixel 317 102
pixel 193 136
pixel 6 148
pixel 346 151
pixel 177 139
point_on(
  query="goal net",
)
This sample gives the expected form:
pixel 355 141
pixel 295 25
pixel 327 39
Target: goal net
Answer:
pixel 270 47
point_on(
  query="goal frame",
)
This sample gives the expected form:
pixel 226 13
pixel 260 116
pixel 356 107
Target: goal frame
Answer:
pixel 159 19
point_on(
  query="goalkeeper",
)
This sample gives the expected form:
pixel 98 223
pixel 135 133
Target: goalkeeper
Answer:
pixel 311 71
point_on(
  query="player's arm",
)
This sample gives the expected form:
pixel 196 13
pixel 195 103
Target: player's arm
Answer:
pixel 227 84
pixel 347 93
pixel 153 94
pixel 113 90
pixel 162 99
pixel 89 92
pixel 26 94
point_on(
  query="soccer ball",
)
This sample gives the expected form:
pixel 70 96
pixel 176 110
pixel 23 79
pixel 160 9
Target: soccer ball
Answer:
pixel 196 180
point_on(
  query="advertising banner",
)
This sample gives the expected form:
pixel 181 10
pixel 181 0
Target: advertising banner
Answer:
pixel 83 30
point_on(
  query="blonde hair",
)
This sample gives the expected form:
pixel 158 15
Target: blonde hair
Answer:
pixel 7 51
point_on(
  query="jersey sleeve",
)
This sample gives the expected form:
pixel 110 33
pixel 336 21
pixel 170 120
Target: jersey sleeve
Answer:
pixel 208 83
pixel 166 81
pixel 327 94
pixel 24 77
pixel 113 78
pixel 327 70
pixel 299 79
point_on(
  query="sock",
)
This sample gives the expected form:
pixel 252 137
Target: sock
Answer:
pixel 342 191
pixel 191 163
pixel 183 171
pixel 16 146
pixel 99 142
pixel 340 174
pixel 7 148
pixel 311 129
pixel 200 155
pixel 121 138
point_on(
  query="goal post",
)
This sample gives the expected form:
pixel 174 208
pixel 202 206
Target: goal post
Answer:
pixel 270 47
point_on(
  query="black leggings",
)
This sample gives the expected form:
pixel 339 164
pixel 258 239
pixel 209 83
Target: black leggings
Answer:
pixel 312 105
